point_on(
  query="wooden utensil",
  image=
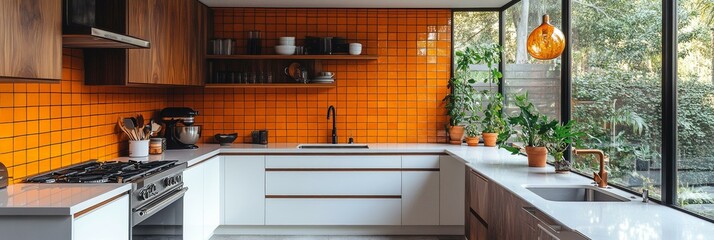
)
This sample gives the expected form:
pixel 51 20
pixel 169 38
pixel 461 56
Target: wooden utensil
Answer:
pixel 129 125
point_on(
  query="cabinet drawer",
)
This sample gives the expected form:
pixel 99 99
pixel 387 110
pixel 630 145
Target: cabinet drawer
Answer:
pixel 333 161
pixel 478 198
pixel 311 211
pixel 477 230
pixel 420 161
pixel 333 183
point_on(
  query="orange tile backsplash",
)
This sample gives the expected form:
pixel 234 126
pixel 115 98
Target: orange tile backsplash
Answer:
pixel 46 126
pixel 396 98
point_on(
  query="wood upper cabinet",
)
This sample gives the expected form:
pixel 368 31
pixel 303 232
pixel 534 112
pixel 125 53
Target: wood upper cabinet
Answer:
pixel 176 31
pixel 31 39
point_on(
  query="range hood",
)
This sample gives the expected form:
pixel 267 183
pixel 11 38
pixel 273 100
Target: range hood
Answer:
pixel 97 24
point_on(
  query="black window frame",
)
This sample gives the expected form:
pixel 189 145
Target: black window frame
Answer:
pixel 668 89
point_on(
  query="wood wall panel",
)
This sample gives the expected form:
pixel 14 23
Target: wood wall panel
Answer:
pixel 31 39
pixel 138 26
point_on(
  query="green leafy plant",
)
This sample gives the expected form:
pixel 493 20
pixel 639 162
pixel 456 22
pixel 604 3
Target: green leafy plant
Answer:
pixel 472 130
pixel 560 137
pixel 493 120
pixel 532 126
pixel 490 55
pixel 463 97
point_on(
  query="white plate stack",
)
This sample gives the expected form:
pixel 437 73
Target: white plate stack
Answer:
pixel 324 77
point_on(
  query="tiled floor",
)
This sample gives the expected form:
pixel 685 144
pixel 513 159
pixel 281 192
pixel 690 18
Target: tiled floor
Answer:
pixel 337 238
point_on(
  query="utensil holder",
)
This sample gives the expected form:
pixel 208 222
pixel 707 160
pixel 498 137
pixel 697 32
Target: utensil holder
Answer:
pixel 139 148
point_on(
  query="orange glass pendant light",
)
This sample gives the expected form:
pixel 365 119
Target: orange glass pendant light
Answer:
pixel 546 41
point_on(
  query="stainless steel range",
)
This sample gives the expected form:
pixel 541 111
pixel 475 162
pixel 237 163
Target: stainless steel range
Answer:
pixel 156 194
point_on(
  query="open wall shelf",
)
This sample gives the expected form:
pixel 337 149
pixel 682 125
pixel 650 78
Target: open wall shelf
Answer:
pixel 291 57
pixel 271 85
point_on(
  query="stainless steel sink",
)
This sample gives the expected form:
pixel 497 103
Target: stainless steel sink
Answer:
pixel 333 146
pixel 579 193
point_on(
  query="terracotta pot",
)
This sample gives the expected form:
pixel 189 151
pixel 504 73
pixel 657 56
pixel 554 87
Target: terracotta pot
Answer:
pixel 536 156
pixel 489 139
pixel 472 141
pixel 456 133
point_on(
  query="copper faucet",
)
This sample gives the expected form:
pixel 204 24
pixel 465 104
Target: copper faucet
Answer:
pixel 600 177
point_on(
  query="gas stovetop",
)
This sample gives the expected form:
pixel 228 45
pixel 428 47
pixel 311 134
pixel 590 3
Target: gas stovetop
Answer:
pixel 103 172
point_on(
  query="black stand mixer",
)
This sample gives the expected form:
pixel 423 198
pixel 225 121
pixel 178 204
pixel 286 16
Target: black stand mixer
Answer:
pixel 180 133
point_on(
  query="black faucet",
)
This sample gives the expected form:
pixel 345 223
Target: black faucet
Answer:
pixel 334 124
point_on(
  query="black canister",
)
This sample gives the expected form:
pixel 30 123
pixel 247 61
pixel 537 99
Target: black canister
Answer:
pixel 259 137
pixel 255 45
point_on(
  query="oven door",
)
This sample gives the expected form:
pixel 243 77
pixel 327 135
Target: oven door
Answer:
pixel 161 218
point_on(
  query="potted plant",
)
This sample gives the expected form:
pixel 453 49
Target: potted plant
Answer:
pixel 461 100
pixel 493 121
pixel 487 57
pixel 558 140
pixel 472 136
pixel 533 131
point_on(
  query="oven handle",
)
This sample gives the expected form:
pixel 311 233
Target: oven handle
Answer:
pixel 151 207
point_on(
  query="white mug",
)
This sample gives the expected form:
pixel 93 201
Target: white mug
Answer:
pixel 355 48
pixel 328 74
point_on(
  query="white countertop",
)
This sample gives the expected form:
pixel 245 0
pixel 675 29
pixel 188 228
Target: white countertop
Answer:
pixel 596 220
pixel 56 199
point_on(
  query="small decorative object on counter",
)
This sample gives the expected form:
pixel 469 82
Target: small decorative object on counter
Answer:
pixel 355 48
pixel 157 146
pixel 472 137
pixel 3 176
pixel 226 139
pixel 259 137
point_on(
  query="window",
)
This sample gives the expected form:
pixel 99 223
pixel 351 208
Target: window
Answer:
pixel 473 29
pixel 616 85
pixel 695 106
pixel 617 90
pixel 541 79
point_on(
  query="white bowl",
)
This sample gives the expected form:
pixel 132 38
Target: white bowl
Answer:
pixel 355 48
pixel 285 50
pixel 287 41
pixel 355 51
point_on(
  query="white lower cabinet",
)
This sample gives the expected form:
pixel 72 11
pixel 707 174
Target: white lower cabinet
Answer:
pixel 313 190
pixel 201 203
pixel 211 196
pixel 326 211
pixel 452 191
pixel 110 221
pixel 193 203
pixel 243 190
pixel 333 183
pixel 420 198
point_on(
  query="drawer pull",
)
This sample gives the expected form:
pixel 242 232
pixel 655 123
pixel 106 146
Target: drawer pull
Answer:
pixel 551 227
pixel 333 196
